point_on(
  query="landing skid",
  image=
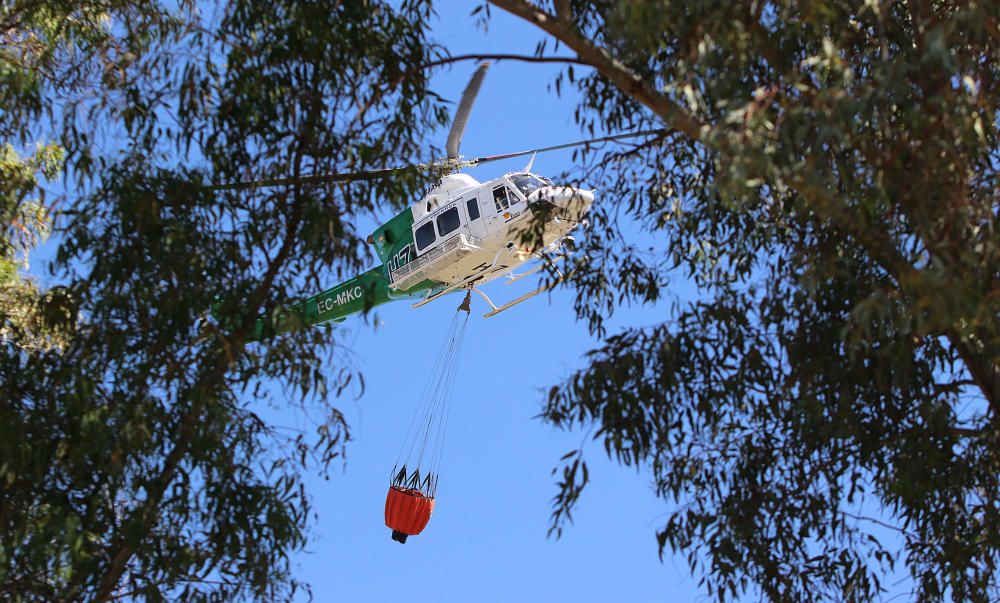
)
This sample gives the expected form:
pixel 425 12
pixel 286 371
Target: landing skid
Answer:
pixel 511 304
pixel 496 310
pixel 513 278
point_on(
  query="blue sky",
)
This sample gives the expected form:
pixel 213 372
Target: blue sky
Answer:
pixel 487 539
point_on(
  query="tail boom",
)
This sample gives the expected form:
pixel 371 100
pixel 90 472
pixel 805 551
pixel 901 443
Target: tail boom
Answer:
pixel 358 294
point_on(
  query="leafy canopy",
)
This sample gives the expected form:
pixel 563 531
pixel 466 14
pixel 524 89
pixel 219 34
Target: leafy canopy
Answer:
pixel 828 179
pixel 829 182
pixel 135 460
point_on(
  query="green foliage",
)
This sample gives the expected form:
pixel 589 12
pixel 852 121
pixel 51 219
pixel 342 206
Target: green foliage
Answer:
pixel 25 221
pixel 829 182
pixel 136 461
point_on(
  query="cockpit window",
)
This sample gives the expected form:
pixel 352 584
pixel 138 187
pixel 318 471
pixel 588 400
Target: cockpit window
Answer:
pixel 527 183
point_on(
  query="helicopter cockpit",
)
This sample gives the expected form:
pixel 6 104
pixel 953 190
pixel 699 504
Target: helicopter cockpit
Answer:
pixel 529 183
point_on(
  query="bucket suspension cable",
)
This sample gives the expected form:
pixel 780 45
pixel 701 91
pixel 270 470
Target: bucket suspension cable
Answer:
pixel 414 478
pixel 425 437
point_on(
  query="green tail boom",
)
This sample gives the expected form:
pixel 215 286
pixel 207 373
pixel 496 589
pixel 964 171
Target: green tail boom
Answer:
pixel 359 294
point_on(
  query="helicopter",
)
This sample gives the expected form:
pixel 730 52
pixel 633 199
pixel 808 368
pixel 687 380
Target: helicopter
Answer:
pixel 460 235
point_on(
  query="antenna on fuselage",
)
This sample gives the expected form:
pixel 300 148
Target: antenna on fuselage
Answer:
pixel 531 162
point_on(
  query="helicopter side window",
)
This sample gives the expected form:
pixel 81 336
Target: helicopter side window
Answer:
pixel 500 198
pixel 473 206
pixel 448 221
pixel 425 236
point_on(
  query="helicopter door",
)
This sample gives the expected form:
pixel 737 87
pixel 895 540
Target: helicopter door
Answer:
pixel 495 204
pixel 477 224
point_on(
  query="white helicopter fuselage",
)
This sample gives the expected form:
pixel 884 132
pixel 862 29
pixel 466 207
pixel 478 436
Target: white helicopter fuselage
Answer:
pixel 467 233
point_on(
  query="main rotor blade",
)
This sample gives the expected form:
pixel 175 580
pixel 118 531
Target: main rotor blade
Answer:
pixel 312 179
pixel 578 143
pixel 464 108
pixel 449 164
pixel 340 176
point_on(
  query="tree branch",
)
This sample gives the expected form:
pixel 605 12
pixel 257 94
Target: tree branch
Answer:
pixel 877 522
pixel 616 71
pixel 982 369
pixel 965 432
pixel 200 394
pixel 629 82
pixel 203 392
